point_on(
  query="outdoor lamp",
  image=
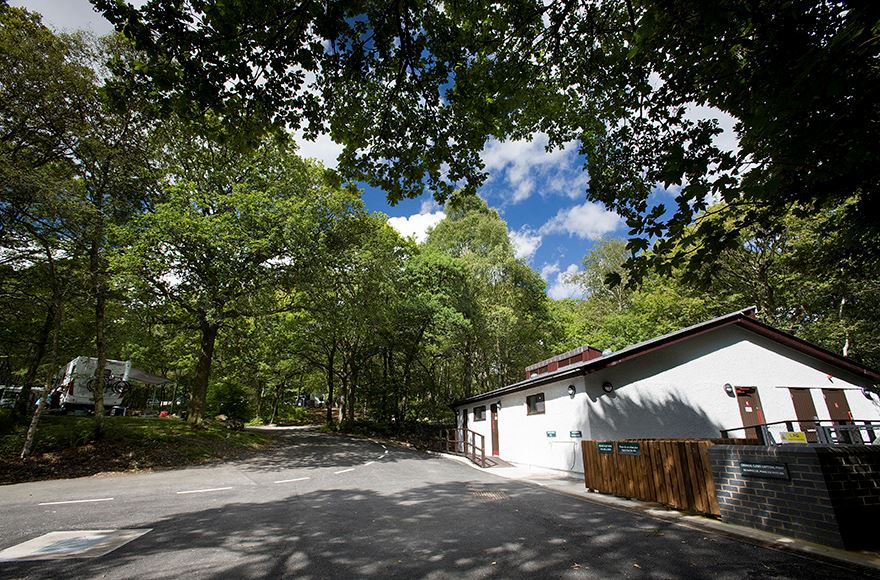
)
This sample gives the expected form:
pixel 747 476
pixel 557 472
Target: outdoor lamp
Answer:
pixel 728 388
pixel 607 387
pixel 571 391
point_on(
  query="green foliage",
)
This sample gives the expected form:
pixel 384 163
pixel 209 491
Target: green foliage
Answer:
pixel 230 399
pixel 627 80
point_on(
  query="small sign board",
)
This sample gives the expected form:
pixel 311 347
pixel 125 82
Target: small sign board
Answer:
pixel 605 447
pixel 551 434
pixel 769 470
pixel 575 434
pixel 629 448
pixel 794 437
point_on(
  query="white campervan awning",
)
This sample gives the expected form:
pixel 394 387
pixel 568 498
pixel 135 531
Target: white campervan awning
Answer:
pixel 147 378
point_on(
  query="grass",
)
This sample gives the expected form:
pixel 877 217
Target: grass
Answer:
pixel 69 447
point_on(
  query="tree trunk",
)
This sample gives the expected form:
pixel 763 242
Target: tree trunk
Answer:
pixel 279 390
pixel 349 398
pixel 96 272
pixel 52 312
pixel 331 356
pixel 203 371
pixel 44 400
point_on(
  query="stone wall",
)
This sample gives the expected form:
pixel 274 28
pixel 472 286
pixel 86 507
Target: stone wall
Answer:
pixel 824 494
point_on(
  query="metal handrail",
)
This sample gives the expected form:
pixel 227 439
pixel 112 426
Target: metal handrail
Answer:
pixel 463 441
pixel 835 432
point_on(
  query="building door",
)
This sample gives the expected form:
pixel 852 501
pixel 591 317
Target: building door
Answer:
pixel 750 409
pixel 805 410
pixel 494 411
pixel 840 413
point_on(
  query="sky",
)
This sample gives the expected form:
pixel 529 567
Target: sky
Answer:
pixel 541 195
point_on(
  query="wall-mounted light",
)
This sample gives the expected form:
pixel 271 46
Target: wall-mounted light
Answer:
pixel 607 387
pixel 498 404
pixel 728 388
pixel 571 391
pixel 867 393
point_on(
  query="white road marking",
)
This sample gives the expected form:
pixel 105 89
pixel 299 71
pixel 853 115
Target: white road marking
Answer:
pixel 292 480
pixel 369 463
pixel 385 448
pixel 204 490
pixel 343 471
pixel 386 452
pixel 75 501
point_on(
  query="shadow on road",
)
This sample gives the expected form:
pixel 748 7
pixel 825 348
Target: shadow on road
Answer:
pixel 475 529
pixel 312 449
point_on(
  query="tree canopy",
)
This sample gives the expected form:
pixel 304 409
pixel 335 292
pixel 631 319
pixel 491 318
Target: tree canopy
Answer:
pixel 414 90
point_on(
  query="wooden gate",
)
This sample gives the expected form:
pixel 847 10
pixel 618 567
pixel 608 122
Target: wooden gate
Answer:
pixel 673 472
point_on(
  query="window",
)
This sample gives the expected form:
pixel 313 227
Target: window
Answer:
pixel 480 413
pixel 535 404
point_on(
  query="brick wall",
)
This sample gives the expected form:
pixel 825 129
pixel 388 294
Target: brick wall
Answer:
pixel 832 494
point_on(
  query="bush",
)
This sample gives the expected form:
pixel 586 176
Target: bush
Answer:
pixel 228 399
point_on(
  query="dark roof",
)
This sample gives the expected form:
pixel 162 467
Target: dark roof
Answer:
pixel 744 318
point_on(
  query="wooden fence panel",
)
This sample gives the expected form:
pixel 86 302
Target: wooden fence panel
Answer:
pixel 676 473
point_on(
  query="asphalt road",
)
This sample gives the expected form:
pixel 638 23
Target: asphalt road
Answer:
pixel 323 506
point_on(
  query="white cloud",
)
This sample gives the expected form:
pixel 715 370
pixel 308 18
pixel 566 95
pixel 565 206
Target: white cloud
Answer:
pixel 417 225
pixel 525 242
pixel 518 169
pixel 429 205
pixel 587 221
pixel 548 270
pixel 564 286
pixel 324 149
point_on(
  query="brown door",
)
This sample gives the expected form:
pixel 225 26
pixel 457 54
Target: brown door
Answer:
pixel 805 411
pixel 840 413
pixel 750 409
pixel 494 411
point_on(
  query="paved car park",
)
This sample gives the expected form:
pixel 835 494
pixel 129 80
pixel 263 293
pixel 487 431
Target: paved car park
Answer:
pixel 322 506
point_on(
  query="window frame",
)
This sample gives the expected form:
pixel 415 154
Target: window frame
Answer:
pixel 482 415
pixel 537 398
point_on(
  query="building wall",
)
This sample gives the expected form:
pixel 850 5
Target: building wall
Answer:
pixel 674 392
pixel 829 494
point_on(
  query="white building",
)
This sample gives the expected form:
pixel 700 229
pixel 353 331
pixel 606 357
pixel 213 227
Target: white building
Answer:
pixel 730 372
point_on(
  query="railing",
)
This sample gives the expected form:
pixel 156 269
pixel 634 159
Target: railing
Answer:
pixel 464 442
pixel 823 431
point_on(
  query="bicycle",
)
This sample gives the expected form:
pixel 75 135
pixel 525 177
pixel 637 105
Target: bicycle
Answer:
pixel 111 384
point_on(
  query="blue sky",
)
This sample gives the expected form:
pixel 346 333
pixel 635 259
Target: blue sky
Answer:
pixel 541 195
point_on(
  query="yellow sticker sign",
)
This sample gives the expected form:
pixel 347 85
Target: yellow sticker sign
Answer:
pixel 794 437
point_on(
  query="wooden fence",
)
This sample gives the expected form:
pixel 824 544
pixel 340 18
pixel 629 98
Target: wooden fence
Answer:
pixel 673 472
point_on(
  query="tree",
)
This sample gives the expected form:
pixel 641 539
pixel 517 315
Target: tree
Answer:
pixel 503 300
pixel 411 89
pixel 73 167
pixel 230 230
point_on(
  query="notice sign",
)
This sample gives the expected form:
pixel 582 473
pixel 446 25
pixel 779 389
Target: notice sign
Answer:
pixel 794 437
pixel 605 447
pixel 575 434
pixel 629 448
pixel 771 470
pixel 551 433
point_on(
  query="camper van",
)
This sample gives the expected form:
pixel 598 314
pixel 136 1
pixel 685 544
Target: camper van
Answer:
pixel 74 382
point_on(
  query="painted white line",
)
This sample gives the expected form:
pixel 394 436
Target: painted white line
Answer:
pixel 75 501
pixel 203 490
pixel 369 463
pixel 292 480
pixel 386 452
pixel 343 471
pixel 385 448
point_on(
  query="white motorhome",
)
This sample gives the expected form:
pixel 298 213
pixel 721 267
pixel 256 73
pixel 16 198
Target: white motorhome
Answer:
pixel 73 385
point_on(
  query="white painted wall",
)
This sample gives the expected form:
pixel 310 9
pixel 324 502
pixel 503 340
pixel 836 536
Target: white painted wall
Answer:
pixel 674 392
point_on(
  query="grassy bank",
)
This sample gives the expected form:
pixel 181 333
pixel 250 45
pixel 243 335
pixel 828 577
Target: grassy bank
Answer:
pixel 67 447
